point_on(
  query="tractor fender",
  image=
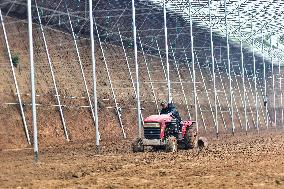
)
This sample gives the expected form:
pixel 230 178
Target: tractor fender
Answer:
pixel 185 125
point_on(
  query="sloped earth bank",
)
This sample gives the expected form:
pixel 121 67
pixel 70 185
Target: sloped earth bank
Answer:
pixel 240 161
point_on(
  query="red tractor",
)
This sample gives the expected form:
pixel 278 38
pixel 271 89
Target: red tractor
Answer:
pixel 164 132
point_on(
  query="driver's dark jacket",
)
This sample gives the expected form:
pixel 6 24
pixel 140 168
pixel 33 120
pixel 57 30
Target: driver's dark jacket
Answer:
pixel 171 109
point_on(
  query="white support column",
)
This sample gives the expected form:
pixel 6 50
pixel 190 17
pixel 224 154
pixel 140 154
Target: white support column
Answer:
pixel 280 88
pixel 16 83
pixel 273 82
pixel 243 68
pixel 229 71
pixel 167 54
pixel 31 50
pixel 255 81
pixel 94 72
pixel 213 71
pixel 265 99
pixel 193 66
pixel 136 70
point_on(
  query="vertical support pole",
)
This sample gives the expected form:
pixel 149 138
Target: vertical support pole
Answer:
pixel 243 68
pixel 136 69
pixel 255 81
pixel 53 76
pixel 229 70
pixel 264 79
pixel 193 66
pixel 213 70
pixel 34 121
pixel 15 81
pixel 280 88
pixel 167 53
pixel 94 73
pixel 273 82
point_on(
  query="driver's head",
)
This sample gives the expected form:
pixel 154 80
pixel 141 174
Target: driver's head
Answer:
pixel 164 104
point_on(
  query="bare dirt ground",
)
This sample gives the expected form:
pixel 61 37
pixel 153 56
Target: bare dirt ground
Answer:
pixel 252 161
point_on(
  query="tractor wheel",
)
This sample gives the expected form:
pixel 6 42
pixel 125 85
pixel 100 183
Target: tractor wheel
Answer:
pixel 171 145
pixel 137 146
pixel 191 137
pixel 202 143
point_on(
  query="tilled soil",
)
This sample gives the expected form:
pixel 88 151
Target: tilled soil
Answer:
pixel 240 161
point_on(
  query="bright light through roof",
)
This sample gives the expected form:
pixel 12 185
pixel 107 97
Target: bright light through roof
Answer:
pixel 265 15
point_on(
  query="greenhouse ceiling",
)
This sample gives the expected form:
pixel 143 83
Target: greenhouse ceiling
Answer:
pixel 255 18
pixel 261 20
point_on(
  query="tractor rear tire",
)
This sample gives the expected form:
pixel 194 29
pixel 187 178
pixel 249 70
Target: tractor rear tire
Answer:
pixel 171 145
pixel 137 145
pixel 190 138
pixel 202 143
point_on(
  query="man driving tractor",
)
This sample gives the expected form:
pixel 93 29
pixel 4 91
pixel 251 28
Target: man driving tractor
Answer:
pixel 167 131
pixel 169 108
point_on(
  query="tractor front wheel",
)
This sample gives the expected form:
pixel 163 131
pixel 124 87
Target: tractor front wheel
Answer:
pixel 171 145
pixel 137 145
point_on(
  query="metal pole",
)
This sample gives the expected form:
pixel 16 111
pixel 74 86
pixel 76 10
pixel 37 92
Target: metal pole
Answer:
pixel 52 75
pixel 280 89
pixel 15 81
pixel 229 69
pixel 255 81
pixel 213 70
pixel 264 80
pixel 34 121
pixel 167 53
pixel 136 70
pixel 273 82
pixel 193 66
pixel 243 69
pixel 94 73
